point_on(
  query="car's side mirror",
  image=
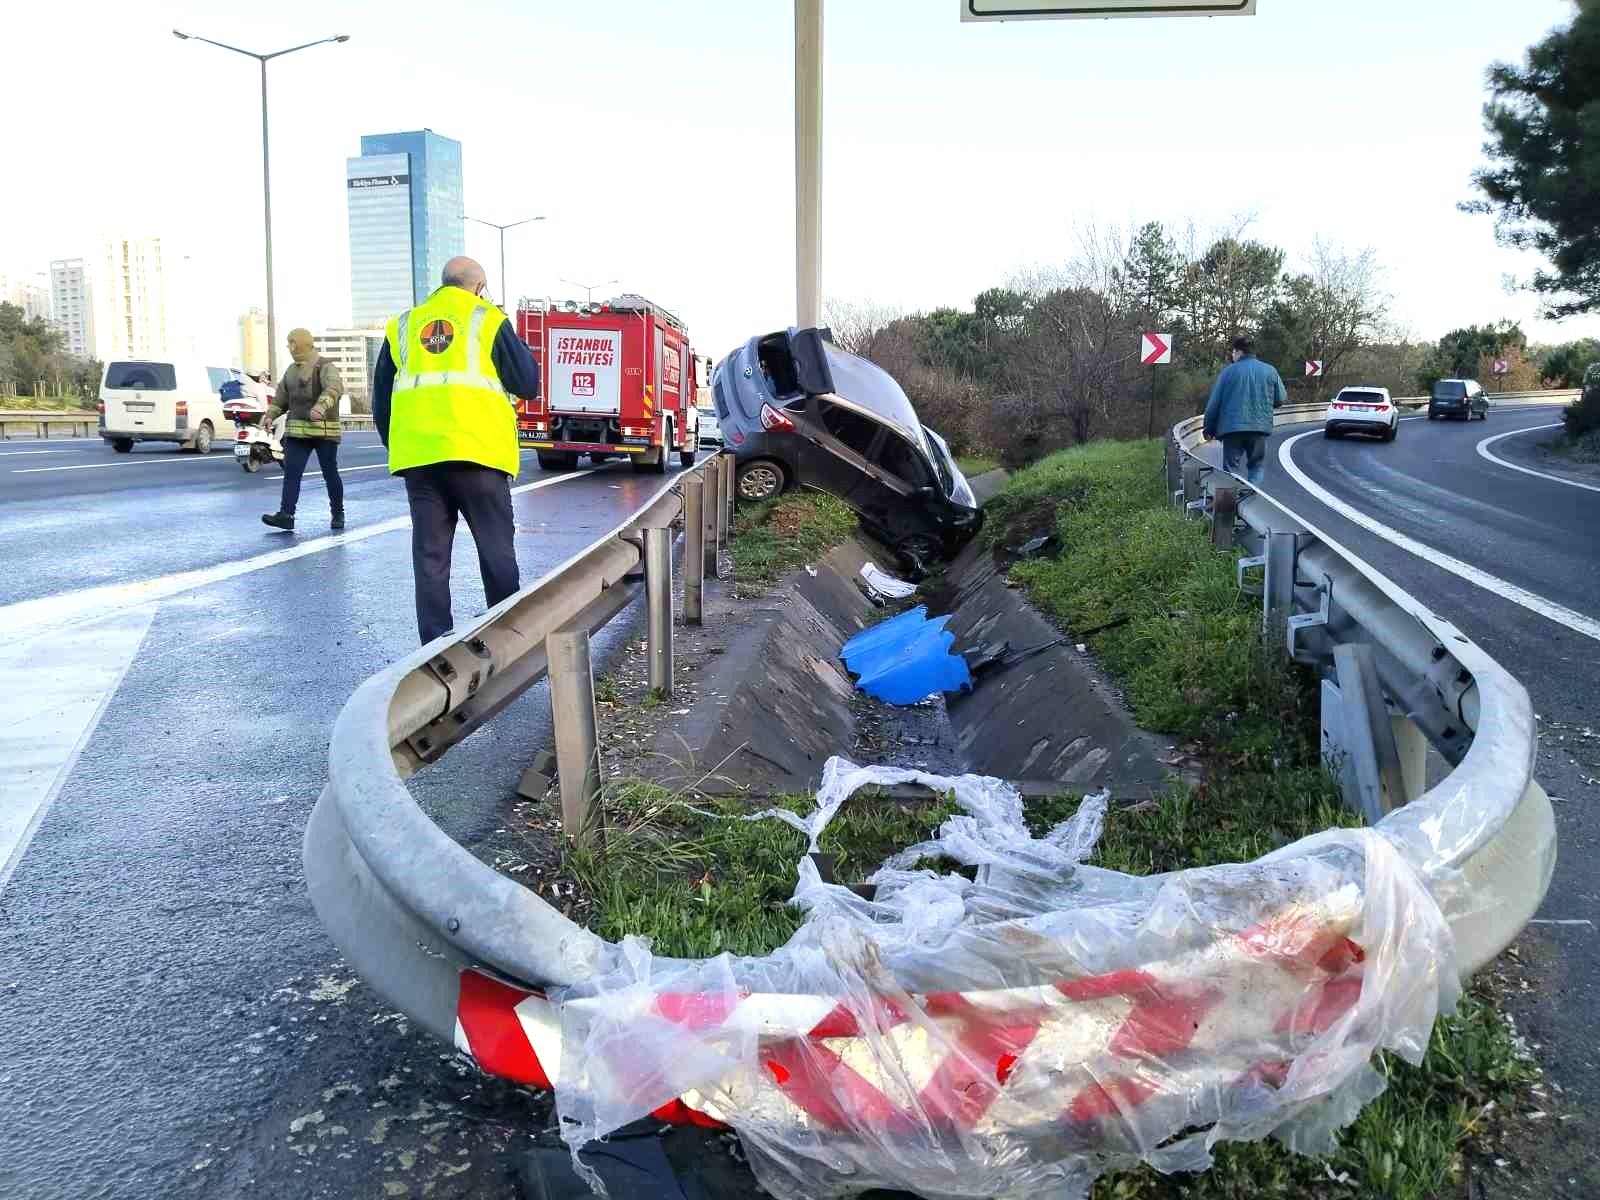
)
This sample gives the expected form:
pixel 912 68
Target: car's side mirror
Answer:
pixel 924 492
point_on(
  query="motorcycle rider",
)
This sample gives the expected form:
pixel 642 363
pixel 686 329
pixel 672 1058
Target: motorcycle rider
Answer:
pixel 309 392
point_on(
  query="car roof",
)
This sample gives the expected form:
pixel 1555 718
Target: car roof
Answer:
pixel 865 385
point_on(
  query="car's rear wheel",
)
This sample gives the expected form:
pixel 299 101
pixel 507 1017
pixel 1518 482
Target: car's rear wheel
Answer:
pixel 122 445
pixel 1390 433
pixel 1330 432
pixel 761 480
pixel 202 439
pixel 1432 416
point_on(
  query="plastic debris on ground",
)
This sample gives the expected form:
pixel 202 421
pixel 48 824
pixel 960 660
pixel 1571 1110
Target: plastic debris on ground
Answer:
pixel 906 658
pixel 1020 1032
pixel 884 584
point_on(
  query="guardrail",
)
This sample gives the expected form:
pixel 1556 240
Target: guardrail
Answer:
pixel 41 424
pixel 1099 1029
pixel 1488 820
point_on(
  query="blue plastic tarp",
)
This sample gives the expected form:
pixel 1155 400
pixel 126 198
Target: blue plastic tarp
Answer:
pixel 906 659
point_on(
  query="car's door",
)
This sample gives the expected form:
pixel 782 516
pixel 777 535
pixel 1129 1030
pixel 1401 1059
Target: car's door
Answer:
pixel 904 497
pixel 836 448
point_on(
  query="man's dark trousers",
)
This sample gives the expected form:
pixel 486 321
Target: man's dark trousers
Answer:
pixel 438 495
pixel 296 453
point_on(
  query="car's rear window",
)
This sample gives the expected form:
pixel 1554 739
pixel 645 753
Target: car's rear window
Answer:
pixel 1361 397
pixel 144 376
pixel 1449 389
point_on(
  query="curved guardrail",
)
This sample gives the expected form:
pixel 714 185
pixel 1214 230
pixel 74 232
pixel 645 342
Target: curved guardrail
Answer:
pixel 1488 820
pixel 484 963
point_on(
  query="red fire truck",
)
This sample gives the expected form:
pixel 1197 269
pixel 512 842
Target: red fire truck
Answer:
pixel 618 381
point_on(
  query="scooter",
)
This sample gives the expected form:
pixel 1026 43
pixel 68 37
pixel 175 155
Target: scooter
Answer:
pixel 256 443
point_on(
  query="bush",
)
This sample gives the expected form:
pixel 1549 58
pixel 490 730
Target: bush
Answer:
pixel 1584 416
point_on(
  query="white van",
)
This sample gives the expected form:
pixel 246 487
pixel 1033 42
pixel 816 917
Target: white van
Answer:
pixel 144 400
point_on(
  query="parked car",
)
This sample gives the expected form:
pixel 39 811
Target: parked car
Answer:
pixel 1462 398
pixel 710 429
pixel 144 400
pixel 797 410
pixel 1362 410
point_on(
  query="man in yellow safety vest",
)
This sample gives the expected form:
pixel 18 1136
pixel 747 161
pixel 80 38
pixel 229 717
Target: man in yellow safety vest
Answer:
pixel 442 401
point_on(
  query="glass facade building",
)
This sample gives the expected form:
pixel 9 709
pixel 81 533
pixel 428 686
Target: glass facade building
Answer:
pixel 405 207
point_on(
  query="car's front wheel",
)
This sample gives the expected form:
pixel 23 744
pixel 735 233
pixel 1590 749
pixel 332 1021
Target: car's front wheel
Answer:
pixel 761 480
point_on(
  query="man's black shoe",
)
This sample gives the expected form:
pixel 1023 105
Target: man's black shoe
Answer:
pixel 337 522
pixel 279 520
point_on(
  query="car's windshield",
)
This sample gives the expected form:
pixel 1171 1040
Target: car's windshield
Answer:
pixel 145 376
pixel 219 376
pixel 1449 389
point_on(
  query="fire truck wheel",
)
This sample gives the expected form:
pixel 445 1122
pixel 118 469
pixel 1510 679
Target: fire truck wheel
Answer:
pixel 557 462
pixel 687 457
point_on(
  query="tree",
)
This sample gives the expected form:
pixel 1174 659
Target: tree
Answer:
pixel 1563 366
pixel 1542 183
pixel 1328 312
pixel 1228 291
pixel 1461 352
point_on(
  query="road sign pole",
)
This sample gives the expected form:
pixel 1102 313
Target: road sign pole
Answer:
pixel 808 162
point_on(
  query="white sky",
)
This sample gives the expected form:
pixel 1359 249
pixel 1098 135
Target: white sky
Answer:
pixel 657 138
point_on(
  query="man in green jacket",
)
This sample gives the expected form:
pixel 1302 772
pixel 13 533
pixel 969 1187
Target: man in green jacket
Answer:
pixel 1240 410
pixel 309 393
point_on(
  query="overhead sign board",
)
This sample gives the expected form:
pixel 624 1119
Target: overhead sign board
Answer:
pixel 1091 10
pixel 1155 349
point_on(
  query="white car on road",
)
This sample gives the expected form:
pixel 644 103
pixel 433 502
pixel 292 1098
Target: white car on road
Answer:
pixel 1362 410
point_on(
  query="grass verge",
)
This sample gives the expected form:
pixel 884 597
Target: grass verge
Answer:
pixel 973 465
pixel 775 537
pixel 1582 449
pixel 698 883
pixel 46 404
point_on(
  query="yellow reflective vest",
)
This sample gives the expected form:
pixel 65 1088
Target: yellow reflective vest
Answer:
pixel 448 403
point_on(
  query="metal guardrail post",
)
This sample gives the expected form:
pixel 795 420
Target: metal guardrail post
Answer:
pixel 577 743
pixel 1191 482
pixel 694 532
pixel 713 523
pixel 724 467
pixel 1278 599
pixel 1375 783
pixel 658 603
pixel 1224 512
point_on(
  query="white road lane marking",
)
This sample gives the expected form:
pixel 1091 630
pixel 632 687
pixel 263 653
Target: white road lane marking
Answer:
pixel 152 461
pixel 1484 451
pixel 47 728
pixel 1531 601
pixel 30 618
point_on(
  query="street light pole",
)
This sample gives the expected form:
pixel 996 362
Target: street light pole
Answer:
pixel 588 288
pixel 266 169
pixel 505 296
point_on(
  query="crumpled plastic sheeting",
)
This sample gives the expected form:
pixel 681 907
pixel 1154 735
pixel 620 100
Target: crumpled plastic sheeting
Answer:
pixel 1019 1033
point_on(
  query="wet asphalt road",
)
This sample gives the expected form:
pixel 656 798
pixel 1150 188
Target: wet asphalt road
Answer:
pixel 173 1020
pixel 1432 485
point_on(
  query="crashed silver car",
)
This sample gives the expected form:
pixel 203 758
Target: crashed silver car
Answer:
pixel 796 409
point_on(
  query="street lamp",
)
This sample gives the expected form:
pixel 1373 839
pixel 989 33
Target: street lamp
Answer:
pixel 589 288
pixel 266 174
pixel 505 296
